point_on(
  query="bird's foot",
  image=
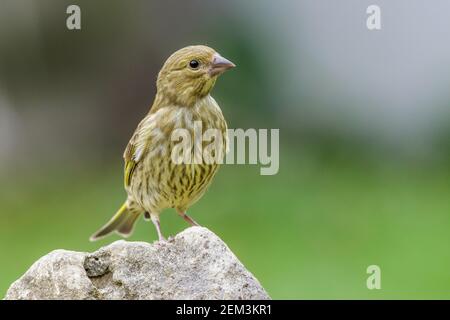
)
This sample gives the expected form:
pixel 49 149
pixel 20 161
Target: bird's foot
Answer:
pixel 188 219
pixel 155 220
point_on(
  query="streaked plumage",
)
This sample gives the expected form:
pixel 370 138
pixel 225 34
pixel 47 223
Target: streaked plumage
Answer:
pixel 152 180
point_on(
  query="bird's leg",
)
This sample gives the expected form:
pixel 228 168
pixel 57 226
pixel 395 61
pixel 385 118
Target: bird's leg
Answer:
pixel 155 220
pixel 187 218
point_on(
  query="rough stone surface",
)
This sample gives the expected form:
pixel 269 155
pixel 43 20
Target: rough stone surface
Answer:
pixel 196 264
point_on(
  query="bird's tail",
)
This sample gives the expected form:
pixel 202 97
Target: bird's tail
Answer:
pixel 122 223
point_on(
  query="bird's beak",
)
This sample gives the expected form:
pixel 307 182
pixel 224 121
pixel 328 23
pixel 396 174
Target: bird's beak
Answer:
pixel 219 65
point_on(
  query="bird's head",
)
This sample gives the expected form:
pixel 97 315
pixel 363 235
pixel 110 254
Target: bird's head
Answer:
pixel 190 73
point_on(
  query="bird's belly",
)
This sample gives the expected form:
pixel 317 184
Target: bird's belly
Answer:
pixel 158 183
pixel 190 183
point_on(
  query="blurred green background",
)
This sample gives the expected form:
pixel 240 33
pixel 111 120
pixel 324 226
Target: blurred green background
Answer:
pixel 364 135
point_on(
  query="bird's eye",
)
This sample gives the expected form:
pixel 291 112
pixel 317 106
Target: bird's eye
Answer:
pixel 194 64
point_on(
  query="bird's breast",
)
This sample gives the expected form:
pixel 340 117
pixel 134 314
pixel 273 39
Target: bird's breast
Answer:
pixel 164 183
pixel 190 180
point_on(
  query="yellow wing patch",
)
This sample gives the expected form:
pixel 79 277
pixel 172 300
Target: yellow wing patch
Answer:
pixel 129 169
pixel 130 164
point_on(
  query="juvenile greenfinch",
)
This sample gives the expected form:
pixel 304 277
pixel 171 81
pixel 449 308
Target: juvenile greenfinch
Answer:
pixel 153 181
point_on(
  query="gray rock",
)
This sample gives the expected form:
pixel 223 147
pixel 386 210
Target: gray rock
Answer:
pixel 196 264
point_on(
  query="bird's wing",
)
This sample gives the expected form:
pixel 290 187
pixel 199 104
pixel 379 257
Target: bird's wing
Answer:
pixel 130 163
pixel 144 137
pixel 136 148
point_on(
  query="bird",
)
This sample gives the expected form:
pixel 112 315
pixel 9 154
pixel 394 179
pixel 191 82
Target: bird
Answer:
pixel 152 179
